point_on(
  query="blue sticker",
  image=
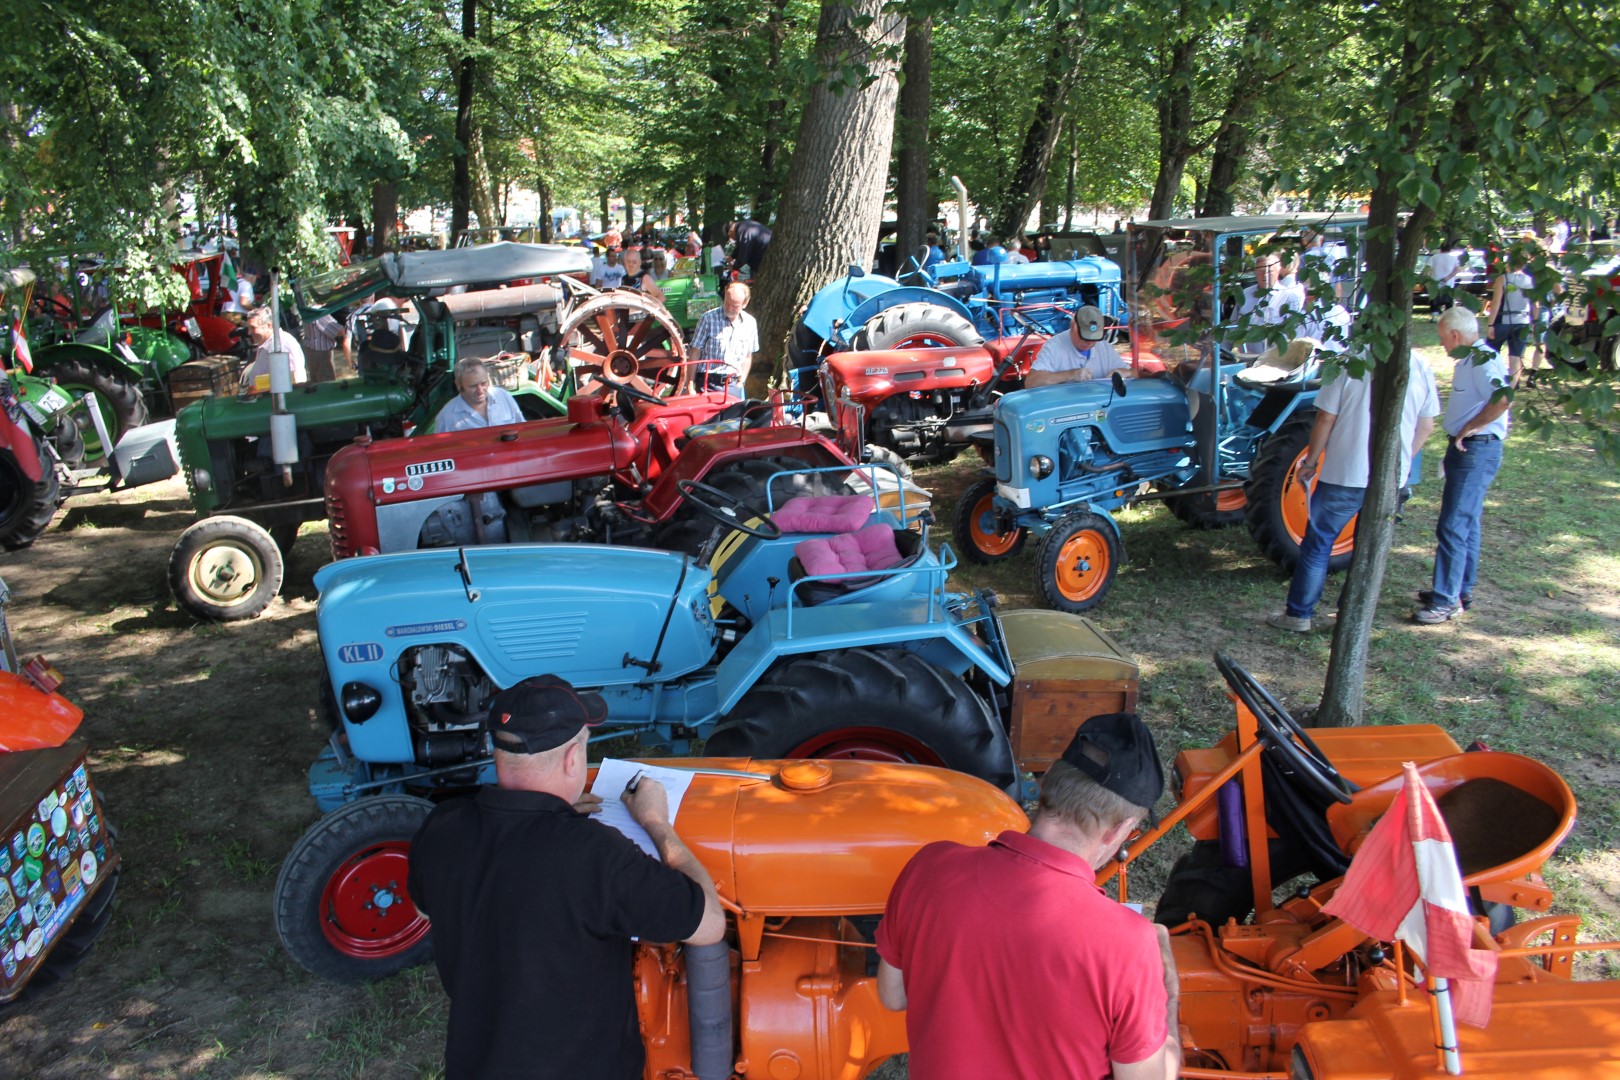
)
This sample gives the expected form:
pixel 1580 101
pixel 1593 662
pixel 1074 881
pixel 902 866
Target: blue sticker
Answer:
pixel 53 880
pixel 19 879
pixel 440 627
pixel 19 846
pixel 363 652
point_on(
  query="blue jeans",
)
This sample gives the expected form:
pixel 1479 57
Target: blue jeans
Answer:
pixel 1332 507
pixel 1462 507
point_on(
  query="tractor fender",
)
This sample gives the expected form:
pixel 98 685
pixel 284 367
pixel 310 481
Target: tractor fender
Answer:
pixel 863 313
pixel 830 307
pixel 45 358
pixel 706 453
pixel 551 399
pixel 1048 516
pixel 31 719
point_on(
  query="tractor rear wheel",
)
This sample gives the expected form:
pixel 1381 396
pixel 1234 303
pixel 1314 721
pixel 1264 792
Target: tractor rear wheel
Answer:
pixel 915 326
pixel 977 538
pixel 868 705
pixel 341 907
pixel 747 480
pixel 26 506
pixel 113 391
pixel 1278 504
pixel 1211 509
pixel 224 569
pixel 1077 562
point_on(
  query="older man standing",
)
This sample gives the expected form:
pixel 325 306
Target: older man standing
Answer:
pixel 727 338
pixel 1476 424
pixel 478 403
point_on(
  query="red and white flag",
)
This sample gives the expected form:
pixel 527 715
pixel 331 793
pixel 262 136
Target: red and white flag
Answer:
pixel 19 346
pixel 1404 883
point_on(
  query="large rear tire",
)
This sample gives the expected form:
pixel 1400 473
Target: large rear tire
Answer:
pixel 1077 562
pixel 1279 505
pixel 115 392
pixel 916 326
pixel 26 506
pixel 1211 509
pixel 341 907
pixel 871 705
pixel 975 528
pixel 225 569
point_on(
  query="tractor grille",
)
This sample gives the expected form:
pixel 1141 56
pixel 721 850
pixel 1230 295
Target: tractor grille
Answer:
pixel 1132 425
pixel 338 528
pixel 539 637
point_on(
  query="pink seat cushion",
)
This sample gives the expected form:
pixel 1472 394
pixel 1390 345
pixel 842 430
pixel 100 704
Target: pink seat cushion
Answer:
pixel 823 513
pixel 872 548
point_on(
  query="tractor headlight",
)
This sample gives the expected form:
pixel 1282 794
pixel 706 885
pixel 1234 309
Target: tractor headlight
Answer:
pixel 1040 466
pixel 201 480
pixel 360 702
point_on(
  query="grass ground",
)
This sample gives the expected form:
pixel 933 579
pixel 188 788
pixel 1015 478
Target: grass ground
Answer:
pixel 200 736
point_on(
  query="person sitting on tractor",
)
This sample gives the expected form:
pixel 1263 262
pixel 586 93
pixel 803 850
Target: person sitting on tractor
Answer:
pixel 1079 355
pixel 1010 961
pixel 261 329
pixel 478 403
pixel 1268 301
pixel 638 277
pixel 535 906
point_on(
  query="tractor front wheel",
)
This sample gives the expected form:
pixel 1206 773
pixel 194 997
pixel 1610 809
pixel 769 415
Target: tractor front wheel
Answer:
pixel 112 391
pixel 979 536
pixel 26 505
pixel 869 705
pixel 224 569
pixel 341 907
pixel 1077 562
pixel 1279 504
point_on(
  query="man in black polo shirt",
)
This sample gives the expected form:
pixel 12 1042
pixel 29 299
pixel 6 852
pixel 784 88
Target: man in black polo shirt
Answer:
pixel 534 904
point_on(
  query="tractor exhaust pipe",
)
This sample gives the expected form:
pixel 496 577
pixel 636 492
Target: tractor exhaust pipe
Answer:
pixel 963 223
pixel 283 425
pixel 708 1009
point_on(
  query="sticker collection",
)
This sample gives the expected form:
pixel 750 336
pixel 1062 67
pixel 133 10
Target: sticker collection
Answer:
pixel 47 867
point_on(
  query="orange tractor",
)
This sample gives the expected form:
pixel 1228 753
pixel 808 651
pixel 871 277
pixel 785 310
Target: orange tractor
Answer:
pixel 804 853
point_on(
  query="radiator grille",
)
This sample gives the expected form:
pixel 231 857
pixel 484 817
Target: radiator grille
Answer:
pixel 539 637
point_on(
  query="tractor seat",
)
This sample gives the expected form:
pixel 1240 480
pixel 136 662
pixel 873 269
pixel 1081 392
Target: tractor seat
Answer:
pixel 823 513
pixel 875 547
pixel 737 416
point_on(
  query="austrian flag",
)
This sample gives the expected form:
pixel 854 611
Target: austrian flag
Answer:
pixel 1404 883
pixel 19 345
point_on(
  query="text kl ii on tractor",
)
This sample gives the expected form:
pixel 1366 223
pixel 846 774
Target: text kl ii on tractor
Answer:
pixel 1215 438
pixel 608 472
pixel 769 646
pixel 909 365
pixel 255 464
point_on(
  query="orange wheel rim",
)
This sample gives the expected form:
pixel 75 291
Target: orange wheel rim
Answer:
pixel 1229 500
pixel 982 529
pixel 1082 565
pixel 1296 513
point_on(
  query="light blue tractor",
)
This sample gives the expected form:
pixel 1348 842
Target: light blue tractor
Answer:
pixel 1209 427
pixel 757 646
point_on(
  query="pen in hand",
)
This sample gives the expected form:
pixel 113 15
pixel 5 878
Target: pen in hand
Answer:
pixel 635 781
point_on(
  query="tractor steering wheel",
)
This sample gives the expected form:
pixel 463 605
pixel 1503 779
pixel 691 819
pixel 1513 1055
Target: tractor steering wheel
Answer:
pixel 728 510
pixel 1281 734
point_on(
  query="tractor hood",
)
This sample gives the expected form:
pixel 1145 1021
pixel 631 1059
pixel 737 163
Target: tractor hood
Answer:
pixel 415 273
pixel 885 371
pixel 1151 410
pixel 346 401
pixel 828 837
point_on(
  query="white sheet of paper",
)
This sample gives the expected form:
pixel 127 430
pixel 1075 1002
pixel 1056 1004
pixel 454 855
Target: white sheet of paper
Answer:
pixel 611 777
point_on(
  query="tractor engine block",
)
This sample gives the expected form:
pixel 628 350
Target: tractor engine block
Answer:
pixel 445 693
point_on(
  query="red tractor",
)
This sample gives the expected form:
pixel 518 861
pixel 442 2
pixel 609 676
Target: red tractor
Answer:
pixel 609 472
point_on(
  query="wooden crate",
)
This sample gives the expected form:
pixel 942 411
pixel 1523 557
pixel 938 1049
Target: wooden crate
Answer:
pixel 1065 671
pixel 210 376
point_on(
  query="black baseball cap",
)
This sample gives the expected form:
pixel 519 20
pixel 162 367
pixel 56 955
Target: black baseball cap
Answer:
pixel 1130 766
pixel 541 713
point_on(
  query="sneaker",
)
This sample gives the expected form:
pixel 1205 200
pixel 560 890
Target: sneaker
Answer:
pixel 1434 616
pixel 1426 598
pixel 1284 621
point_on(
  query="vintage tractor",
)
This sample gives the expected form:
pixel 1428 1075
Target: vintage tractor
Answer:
pixel 1216 438
pixel 255 464
pixel 59 861
pixel 754 646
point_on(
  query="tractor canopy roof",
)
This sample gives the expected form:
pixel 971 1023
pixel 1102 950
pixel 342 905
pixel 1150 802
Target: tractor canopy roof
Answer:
pixel 418 273
pixel 1254 223
pixel 15 280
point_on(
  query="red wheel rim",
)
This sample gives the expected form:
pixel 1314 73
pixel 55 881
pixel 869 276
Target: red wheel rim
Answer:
pixel 982 529
pixel 365 911
pixel 1082 565
pixel 867 744
pixel 924 339
pixel 1229 500
pixel 1296 513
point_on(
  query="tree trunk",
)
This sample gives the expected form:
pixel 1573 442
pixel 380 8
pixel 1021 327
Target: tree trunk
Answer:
pixel 775 112
pixel 1175 128
pixel 542 191
pixel 384 217
pixel 466 70
pixel 483 195
pixel 833 203
pixel 912 205
pixel 717 208
pixel 1231 151
pixel 1027 186
pixel 602 197
pixel 1068 190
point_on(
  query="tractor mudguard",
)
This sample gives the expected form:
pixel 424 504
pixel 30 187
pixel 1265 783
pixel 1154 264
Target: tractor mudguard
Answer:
pixel 706 453
pixel 158 350
pixel 52 355
pixel 553 401
pixel 31 719
pixel 830 307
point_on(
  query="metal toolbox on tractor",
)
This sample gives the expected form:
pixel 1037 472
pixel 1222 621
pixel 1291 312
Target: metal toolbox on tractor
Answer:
pixel 198 379
pixel 1065 671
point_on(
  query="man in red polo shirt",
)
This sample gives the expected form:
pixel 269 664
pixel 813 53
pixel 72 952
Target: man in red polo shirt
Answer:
pixel 1009 959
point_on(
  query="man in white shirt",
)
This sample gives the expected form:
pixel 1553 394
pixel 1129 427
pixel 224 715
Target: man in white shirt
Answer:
pixel 1078 355
pixel 1339 448
pixel 478 403
pixel 1268 301
pixel 262 331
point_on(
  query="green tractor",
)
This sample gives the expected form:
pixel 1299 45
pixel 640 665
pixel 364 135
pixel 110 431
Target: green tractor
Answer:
pixel 255 463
